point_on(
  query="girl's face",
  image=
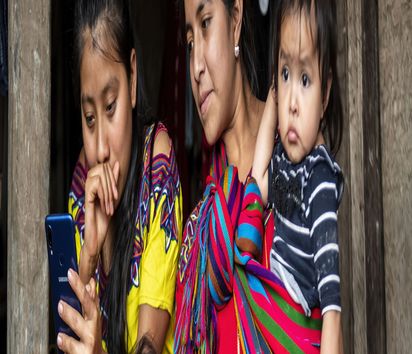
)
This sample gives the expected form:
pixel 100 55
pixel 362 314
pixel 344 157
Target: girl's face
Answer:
pixel 211 41
pixel 107 100
pixel 300 101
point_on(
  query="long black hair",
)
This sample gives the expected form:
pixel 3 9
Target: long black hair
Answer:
pixel 246 41
pixel 326 46
pixel 109 25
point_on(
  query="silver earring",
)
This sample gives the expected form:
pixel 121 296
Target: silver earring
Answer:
pixel 237 51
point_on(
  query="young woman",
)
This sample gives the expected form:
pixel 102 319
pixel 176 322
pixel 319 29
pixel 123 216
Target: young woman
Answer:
pixel 125 196
pixel 236 304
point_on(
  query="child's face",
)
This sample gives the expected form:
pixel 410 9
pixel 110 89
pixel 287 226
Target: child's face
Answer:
pixel 299 87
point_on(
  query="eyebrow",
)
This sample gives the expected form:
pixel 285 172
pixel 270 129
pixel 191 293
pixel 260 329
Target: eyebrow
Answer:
pixel 112 84
pixel 199 9
pixel 305 60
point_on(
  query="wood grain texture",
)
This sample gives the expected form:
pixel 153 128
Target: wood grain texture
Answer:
pixel 343 158
pixel 395 63
pixel 374 252
pixel 28 175
pixel 356 180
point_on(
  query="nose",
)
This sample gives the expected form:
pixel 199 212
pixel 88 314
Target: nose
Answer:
pixel 102 143
pixel 198 61
pixel 293 105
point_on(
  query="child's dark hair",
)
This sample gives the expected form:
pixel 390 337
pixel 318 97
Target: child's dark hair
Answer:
pixel 108 24
pixel 246 42
pixel 326 46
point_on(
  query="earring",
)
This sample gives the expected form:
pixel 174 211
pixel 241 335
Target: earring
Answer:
pixel 237 51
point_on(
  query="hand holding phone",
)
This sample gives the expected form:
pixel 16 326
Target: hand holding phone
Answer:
pixel 61 251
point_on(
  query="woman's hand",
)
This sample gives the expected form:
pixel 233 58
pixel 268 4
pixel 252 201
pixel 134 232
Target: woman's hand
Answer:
pixel 100 195
pixel 86 327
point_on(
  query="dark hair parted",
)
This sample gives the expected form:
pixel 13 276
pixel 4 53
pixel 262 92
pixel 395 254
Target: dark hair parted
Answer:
pixel 325 41
pixel 246 40
pixel 107 22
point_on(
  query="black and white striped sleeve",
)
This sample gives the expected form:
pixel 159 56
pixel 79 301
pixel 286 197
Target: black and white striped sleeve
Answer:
pixel 323 204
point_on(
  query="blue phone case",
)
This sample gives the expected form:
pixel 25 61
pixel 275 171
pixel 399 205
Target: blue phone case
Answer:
pixel 61 251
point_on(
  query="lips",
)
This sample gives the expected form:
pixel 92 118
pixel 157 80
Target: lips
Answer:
pixel 292 135
pixel 204 101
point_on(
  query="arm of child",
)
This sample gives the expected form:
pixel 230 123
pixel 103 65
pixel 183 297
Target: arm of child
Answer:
pixel 331 341
pixel 324 189
pixel 264 144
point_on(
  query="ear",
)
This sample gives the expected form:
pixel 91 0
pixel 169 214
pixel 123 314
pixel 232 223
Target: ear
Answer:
pixel 327 93
pixel 237 16
pixel 133 77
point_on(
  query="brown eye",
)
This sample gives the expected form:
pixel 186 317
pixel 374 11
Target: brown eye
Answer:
pixel 89 120
pixel 110 107
pixel 305 81
pixel 205 23
pixel 285 73
pixel 190 46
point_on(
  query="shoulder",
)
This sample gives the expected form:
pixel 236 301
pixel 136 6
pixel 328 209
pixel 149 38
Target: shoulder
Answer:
pixel 160 160
pixel 320 161
pixel 324 171
pixel 162 143
pixel 157 141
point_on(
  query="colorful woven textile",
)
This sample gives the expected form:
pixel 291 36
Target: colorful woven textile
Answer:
pixel 221 257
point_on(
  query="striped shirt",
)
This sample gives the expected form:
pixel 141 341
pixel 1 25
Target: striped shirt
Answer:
pixel 305 251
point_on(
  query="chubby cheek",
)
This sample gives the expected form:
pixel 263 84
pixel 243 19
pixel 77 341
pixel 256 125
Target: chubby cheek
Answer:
pixel 282 116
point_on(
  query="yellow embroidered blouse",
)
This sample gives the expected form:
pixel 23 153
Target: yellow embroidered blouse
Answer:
pixel 156 249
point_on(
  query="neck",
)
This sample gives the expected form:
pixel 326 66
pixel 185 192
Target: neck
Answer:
pixel 240 137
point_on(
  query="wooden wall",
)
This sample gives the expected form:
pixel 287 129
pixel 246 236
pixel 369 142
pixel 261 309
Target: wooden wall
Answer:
pixel 395 94
pixel 28 175
pixel 375 55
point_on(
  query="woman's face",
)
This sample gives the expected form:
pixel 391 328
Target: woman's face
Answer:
pixel 106 108
pixel 211 41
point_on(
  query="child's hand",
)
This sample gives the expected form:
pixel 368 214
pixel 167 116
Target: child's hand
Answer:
pixel 271 105
pixel 331 341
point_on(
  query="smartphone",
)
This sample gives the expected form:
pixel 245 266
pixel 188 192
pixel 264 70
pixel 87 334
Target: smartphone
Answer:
pixel 61 250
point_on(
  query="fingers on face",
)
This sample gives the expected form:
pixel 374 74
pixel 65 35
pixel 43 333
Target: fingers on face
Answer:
pixel 94 188
pixel 108 190
pixel 104 183
pixel 113 182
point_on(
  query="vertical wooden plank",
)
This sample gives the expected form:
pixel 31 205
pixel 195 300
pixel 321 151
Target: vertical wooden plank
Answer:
pixel 356 178
pixel 28 175
pixel 395 65
pixel 374 253
pixel 344 218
